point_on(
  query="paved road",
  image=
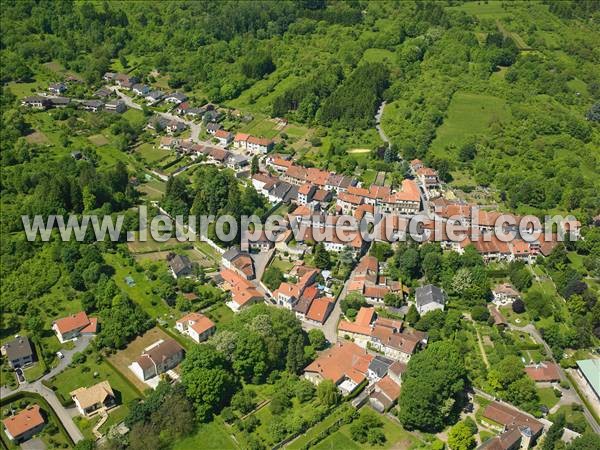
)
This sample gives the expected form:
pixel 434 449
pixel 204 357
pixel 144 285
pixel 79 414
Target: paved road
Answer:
pixel 65 415
pixel 194 127
pixel 329 328
pixel 537 337
pixel 378 116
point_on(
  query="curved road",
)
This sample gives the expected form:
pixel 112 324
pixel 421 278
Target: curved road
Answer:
pixel 194 127
pixel 63 414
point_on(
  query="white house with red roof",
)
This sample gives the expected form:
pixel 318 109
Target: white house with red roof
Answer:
pixel 71 327
pixel 23 425
pixel 197 326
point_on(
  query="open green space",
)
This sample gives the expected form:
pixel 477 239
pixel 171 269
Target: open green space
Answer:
pixel 468 115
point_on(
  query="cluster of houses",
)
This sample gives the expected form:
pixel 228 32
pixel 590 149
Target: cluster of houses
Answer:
pixel 41 102
pixel 213 155
pixel 151 96
pixel 427 177
pixel 368 281
pixel 350 367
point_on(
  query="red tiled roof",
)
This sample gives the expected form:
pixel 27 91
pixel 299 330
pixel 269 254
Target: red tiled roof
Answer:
pixel 546 371
pixel 25 420
pixel 73 322
pixel 222 134
pixel 361 324
pixel 200 323
pixel 345 359
pixel 305 189
pixel 241 137
pixel 259 141
pixel 389 387
pixel 320 309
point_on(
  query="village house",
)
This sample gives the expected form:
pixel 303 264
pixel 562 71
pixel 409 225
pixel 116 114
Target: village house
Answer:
pixel 367 281
pixel 405 201
pixel 261 180
pixel 212 127
pixel 175 126
pixel 36 102
pixel 236 162
pixel 57 88
pixel 109 76
pixel 279 163
pixel 71 327
pixel 396 371
pixel 518 430
pixel 497 317
pixel 428 177
pixel 60 102
pixel 347 203
pixel 197 326
pixel 379 368
pixel 384 335
pixel 92 105
pixel 168 143
pixel 243 292
pixel 259 242
pixel 91 400
pixel 140 89
pixel 346 364
pixel 24 425
pixel 429 298
pixel 288 294
pixel 338 183
pixel 125 81
pixel 159 358
pixel 282 192
pixel 117 106
pixel 305 193
pixel 505 294
pixel 239 261
pixel 153 97
pixel 416 164
pixel 18 352
pixel 322 197
pixel 588 370
pixel 319 310
pixel 103 93
pixel 546 371
pixel 224 137
pixel 385 393
pixel 179 265
pixel 176 97
pixel 258 145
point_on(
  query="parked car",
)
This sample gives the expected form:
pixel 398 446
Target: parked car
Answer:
pixel 20 375
pixel 60 355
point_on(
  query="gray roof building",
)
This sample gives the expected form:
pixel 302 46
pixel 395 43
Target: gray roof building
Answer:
pixel 18 352
pixel 380 365
pixel 429 297
pixel 180 265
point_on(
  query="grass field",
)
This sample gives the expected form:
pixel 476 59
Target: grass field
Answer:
pixel 547 397
pixel 211 436
pixel 468 115
pixel 396 438
pixel 150 153
pixel 284 265
pixel 123 358
pixel 220 314
pixel 378 55
pixel 99 140
pixel 141 293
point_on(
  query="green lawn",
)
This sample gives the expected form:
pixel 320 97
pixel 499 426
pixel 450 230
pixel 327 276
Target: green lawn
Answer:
pixel 220 314
pixel 396 437
pixel 313 432
pixel 547 397
pixel 151 153
pixel 468 114
pixel 141 293
pixel 89 374
pixel 283 265
pixel 211 436
pixel 378 55
pixel 34 372
pixel 260 126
